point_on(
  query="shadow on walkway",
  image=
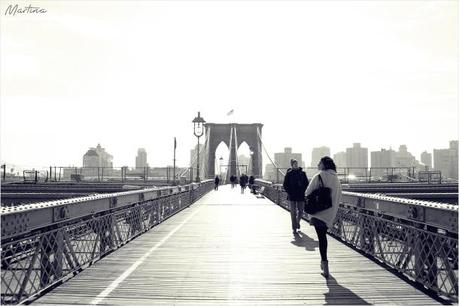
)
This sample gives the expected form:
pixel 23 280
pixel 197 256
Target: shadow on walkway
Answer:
pixel 303 240
pixel 339 295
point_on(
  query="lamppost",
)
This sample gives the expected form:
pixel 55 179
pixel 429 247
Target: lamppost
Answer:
pixel 198 130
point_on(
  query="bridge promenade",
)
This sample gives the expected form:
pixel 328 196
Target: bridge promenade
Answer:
pixel 231 248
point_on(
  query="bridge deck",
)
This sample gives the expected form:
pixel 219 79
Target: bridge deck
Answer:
pixel 233 249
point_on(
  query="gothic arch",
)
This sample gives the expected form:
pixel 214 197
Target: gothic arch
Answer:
pixel 233 135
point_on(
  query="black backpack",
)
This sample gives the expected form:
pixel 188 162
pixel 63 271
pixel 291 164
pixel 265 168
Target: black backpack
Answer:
pixel 319 199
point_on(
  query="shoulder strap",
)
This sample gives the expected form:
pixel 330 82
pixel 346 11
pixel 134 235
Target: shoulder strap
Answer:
pixel 321 183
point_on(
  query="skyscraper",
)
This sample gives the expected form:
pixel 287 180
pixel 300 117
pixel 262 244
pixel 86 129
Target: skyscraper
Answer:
pixel 403 158
pixel 103 159
pixel 94 159
pixel 357 157
pixel 426 159
pixel 282 159
pixel 91 159
pixel 381 159
pixel 445 160
pixel 317 154
pixel 340 159
pixel 141 159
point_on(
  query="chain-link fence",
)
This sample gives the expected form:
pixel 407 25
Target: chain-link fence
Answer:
pixel 39 260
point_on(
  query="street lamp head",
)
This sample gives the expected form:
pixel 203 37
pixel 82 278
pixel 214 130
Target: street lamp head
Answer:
pixel 198 123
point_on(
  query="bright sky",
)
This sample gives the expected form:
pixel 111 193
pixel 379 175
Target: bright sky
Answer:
pixel 130 74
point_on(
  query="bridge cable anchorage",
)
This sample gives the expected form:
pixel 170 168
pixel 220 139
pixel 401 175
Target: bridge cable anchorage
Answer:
pixel 266 152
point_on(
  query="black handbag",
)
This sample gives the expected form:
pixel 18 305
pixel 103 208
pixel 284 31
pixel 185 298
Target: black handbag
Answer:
pixel 318 200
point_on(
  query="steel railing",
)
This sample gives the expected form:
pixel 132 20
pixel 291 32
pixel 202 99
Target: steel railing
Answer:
pixel 44 244
pixel 418 239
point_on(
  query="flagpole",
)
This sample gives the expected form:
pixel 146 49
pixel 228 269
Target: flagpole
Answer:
pixel 175 146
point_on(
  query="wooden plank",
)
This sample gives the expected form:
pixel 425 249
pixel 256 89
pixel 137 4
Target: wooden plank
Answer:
pixel 235 249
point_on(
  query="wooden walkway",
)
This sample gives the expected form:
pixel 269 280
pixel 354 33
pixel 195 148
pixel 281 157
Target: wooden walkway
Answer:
pixel 232 249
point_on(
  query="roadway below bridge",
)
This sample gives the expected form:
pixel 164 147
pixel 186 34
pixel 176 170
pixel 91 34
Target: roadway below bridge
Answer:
pixel 228 249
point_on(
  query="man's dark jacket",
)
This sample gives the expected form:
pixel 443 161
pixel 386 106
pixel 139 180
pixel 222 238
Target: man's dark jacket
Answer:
pixel 295 184
pixel 243 180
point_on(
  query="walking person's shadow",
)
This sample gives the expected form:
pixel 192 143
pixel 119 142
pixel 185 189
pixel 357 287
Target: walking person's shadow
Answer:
pixel 339 295
pixel 303 240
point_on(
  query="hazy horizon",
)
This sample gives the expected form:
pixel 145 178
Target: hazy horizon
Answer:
pixel 132 74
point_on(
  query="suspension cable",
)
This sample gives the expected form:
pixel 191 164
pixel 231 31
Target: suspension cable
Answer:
pixel 230 147
pixel 194 159
pixel 206 148
pixel 238 172
pixel 266 152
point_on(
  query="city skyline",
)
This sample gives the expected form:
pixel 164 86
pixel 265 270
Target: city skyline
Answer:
pixel 314 73
pixel 306 156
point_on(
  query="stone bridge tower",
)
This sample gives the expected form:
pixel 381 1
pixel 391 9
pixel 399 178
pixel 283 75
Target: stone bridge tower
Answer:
pixel 233 134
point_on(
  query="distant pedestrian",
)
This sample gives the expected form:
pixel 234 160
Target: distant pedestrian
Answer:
pixel 324 219
pixel 243 180
pixel 252 183
pixel 233 181
pixel 217 182
pixel 295 184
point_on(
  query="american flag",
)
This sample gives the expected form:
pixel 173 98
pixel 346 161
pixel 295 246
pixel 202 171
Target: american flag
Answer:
pixel 230 112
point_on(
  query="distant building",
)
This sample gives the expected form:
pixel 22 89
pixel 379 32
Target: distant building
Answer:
pixel 317 154
pixel 282 159
pixel 382 159
pixel 97 163
pixel 194 157
pixel 269 173
pixel 340 159
pixel 357 157
pixel 454 146
pixel 141 159
pixel 445 160
pixel 244 163
pixel 104 159
pixel 403 158
pixel 426 159
pixel 91 159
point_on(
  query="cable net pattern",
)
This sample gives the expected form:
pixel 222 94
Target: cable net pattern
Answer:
pixel 426 255
pixel 41 260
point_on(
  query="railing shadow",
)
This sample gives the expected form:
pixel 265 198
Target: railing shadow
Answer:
pixel 303 240
pixel 339 295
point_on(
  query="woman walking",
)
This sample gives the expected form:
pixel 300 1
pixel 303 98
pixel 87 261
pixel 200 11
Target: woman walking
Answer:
pixel 322 220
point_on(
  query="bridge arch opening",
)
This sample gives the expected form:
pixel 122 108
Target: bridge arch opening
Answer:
pixel 221 159
pixel 244 158
pixel 234 134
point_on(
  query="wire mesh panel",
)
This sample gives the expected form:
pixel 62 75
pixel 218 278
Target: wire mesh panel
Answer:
pixel 41 259
pixel 426 254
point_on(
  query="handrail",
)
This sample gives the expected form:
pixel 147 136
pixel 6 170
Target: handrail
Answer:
pixel 46 243
pixel 419 239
